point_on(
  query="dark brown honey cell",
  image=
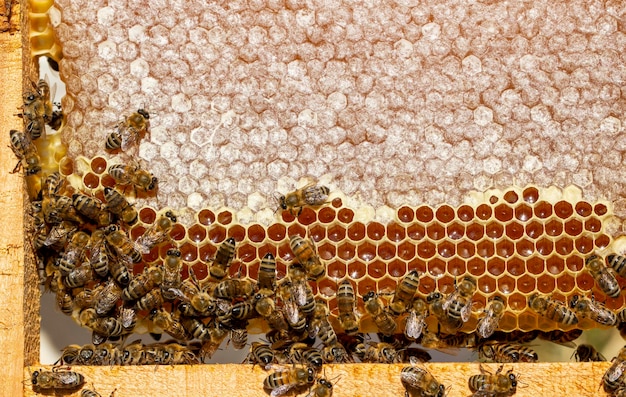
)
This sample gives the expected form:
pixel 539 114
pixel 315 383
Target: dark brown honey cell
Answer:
pixel 602 241
pixel 336 269
pixel 526 284
pixel 583 208
pixel 253 271
pixel 163 248
pixel 366 251
pixel 345 215
pixel 527 321
pixel 436 267
pixel 555 265
pixel 386 285
pixel 615 304
pixel 465 249
pixel 444 214
pixel 456 267
pixel 356 270
pixel 416 232
pixel 277 232
pixel 178 232
pixel 406 250
pixel 496 266
pixel 307 216
pixel 510 197
pixel 267 248
pixel 284 252
pixel 544 246
pixel 225 217
pixel 474 231
pixel 554 228
pixel 515 266
pixel 100 195
pixel 256 233
pixel 565 283
pixel 600 209
pixel 326 215
pixel 514 230
pixel 543 209
pixel 417 264
pixel 200 270
pixel 465 213
pixel 455 231
pixel 574 263
pixel 346 251
pixel 386 250
pixel 593 225
pixel 406 214
pixel 445 284
pixel 476 266
pixel 564 246
pixel 91 181
pixel 426 249
pixel 435 231
pixel 584 281
pixel 98 165
pixel 505 248
pixel 246 252
pixel 445 249
pixel 503 212
pixel 485 249
pixel 287 217
pixel 151 256
pixel 206 252
pixel 364 286
pixel 573 227
pixel 188 252
pixel 427 285
pixel 375 230
pixel 327 287
pixel 297 229
pixel 217 234
pixel 523 212
pixel 336 233
pixel 147 215
pixel 506 284
pixel 483 212
pixel 530 195
pixel 535 265
pixel 326 251
pixel 584 244
pixel 494 230
pixel 206 217
pixel 534 229
pixel 136 232
pixel 197 233
pixel 493 199
pixel 563 209
pixel 337 203
pixel 317 232
pixel 107 181
pixel 524 247
pixel 424 214
pixel 546 284
pixel 395 232
pixel 356 231
pixel 237 232
pixel 487 284
pixel 396 268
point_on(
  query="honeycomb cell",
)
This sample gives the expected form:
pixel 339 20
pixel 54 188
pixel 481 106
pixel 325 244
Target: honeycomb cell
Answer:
pixel 98 165
pixel 486 284
pixel 246 252
pixel 424 214
pixel 427 285
pixel 523 212
pixel 465 213
pixel 544 246
pixel 527 321
pixel 406 214
pixel 197 233
pixel 178 232
pixel 483 212
pixel 535 265
pixel 366 285
pixel 267 248
pixel 554 227
pixel 406 250
pixel 436 267
pixel 345 215
pixel 526 284
pixel 505 248
pixel 416 232
pixel 508 322
pixel 426 249
pixel 147 215
pixel 206 217
pixel 356 270
pixel 396 268
pixel 563 209
pixel 337 202
pixel 253 270
pixel 534 229
pixel 573 227
pixel 494 230
pixel 456 267
pixel 455 231
pixel 237 232
pixel 565 283
pixel 356 231
pixel 417 264
pixel 506 284
pixel 277 232
pixel 200 270
pixel 515 266
pixel 326 251
pixel 366 251
pixel 555 265
pixel 327 287
pixel 476 266
pixel 445 284
pixel 217 234
pixel 317 233
pixel 485 249
pixel 546 284
pixel 584 281
pixel 474 231
pixel 575 263
pixel 593 225
pixel 445 214
pixel 326 215
pixel 465 249
pixel 207 252
pixel 107 181
pixel 307 216
pixel 503 213
pixel 614 303
pixel 600 209
pixel 530 195
pixel 564 246
pixel 543 209
pixel 496 266
pixel 395 232
pixel 386 250
pixel 336 233
pixel 602 241
pixel 66 168
pixel 584 244
pixel 225 217
pixel 287 217
pixel 386 285
pixel 583 208
pixel 493 199
pixel 297 229
pixel 445 249
pixel 188 252
pixel 510 197
pixel 336 269
pixel 514 230
pixel 435 231
pixel 256 233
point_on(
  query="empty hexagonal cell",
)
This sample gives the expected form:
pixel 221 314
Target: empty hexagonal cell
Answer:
pixel 395 232
pixel 524 247
pixel 426 249
pixel 406 250
pixel 188 252
pixel 483 212
pixel 506 284
pixel 326 215
pixel 317 232
pixel 436 267
pixel 217 234
pixel 486 284
pixel 307 216
pixel 564 246
pixel 366 285
pixel 256 233
pixel 530 195
pixel 456 267
pixel 386 250
pixel 356 231
pixel 326 251
pixel 225 217
pixel 178 232
pixel 583 208
pixel 485 249
pixel 455 231
pixel 246 252
pixel 147 215
pixel 510 197
pixel 505 248
pixel 424 214
pixel 444 214
pixel 206 217
pixel 445 249
pixel 584 281
pixel 277 232
pixel 543 209
pixel 508 322
pixel 206 252
pixel 427 285
pixel 534 229
pixel 435 231
pixel 503 212
pixel 298 230
pixel 535 265
pixel 396 268
pixel 474 231
pixel 494 230
pixel 91 181
pixel 336 233
pixel 197 233
pixel 544 246
pixel 515 266
pixel 356 270
pixel 366 251
pixel 336 269
pixel 514 230
pixel 237 232
pixel 345 215
pixel 555 265
pixel 526 284
pixel 386 285
pixel 406 214
pixel 584 244
pixel 546 284
pixel 523 212
pixel 565 283
pixel 600 209
pixel 496 266
pixel 602 241
pixel 593 225
pixel 416 232
pixel 563 209
pixel 527 321
pixel 476 266
pixel 465 249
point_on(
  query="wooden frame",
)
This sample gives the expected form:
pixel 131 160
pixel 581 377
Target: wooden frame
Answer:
pixel 19 319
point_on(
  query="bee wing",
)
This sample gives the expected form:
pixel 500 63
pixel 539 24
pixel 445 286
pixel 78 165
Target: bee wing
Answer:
pixel 414 325
pixel 283 389
pixel 299 293
pixel 466 312
pixel 291 311
pixel 602 315
pixel 487 325
pixel 616 371
pixel 67 378
pixel 129 137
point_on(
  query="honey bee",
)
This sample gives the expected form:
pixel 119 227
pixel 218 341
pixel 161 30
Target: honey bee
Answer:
pixel 103 327
pixel 223 258
pixel 301 353
pixel 64 300
pixel 79 276
pixel 416 320
pixel 26 153
pixel 458 305
pixel 375 308
pixel 260 353
pixel 326 333
pixel 93 393
pixel 323 388
pixel 133 354
pixel 590 308
pixel 617 263
pixel 346 303
pixel 153 299
pixel 266 278
pixel 56 380
pixel 196 295
pixel 98 257
pixel 419 382
pixel 118 267
pixel 168 324
pixel 283 380
pixel 118 205
pixel 128 131
pixel 587 353
pixel 488 324
pixel 172 277
pixel 134 175
pixel 69 355
pixel 495 385
pixel 92 208
pixel 121 244
pixel 157 233
pixel 233 288
pixel 506 353
pixel 266 307
pixel 605 280
pixel 564 338
pixel 170 353
pixel 304 250
pixel 552 309
pixel 405 291
pixel 239 338
pixel 73 253
pixel 310 195
pixel 143 283
pixel 61 208
pixel 380 353
pixel 195 328
pixel 613 378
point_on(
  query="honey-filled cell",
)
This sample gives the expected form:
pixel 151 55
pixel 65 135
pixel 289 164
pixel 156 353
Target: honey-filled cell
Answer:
pixel 426 249
pixel 514 230
pixel 188 252
pixel 297 230
pixel 285 252
pixel 287 217
pixel 206 217
pixel 584 244
pixel 206 252
pixel 337 202
pixel 395 232
pixel 406 250
pixel 543 209
pixel 427 285
pixel 336 270
pixel 495 266
pixel 444 214
pixel 225 217
pixel 503 212
pixel 583 208
pixel 574 263
pixel 200 270
pixel 535 265
pixel 345 215
pixel 316 232
pixel 366 285
pixel 510 197
pixel 614 303
pixel 417 264
pixel 356 270
pixel 526 284
pixel 396 268
pixel 386 285
pixel 326 215
pixel 435 231
pixel 91 181
pixel 197 233
pixel 106 180
pixel 524 247
pixel 465 213
pixel 515 266
pixel 465 249
pixel 424 214
pixel 98 165
pixel 336 233
pixel 508 322
pixel 494 230
pixel 256 233
pixel 546 284
pixel 406 214
pixel 356 231
pixel 483 212
pixel 563 209
pixel 217 234
pixel 178 232
pixel 445 249
pixel 485 249
pixel 237 232
pixel 327 287
pixel 527 321
pixel 136 232
pixel 455 231
pixel 506 284
pixel 593 225
pixel 416 231
pixel 445 284
pixel 544 246
pixel 326 251
pixel 474 231
pixel 523 212
pixel 476 266
pixel 530 195
pixel 456 267
pixel 602 241
pixel 555 265
pixel 346 251
pixel 564 246
pixel 366 251
pixel 307 216
pixel 565 283
pixel 534 229
pixel 505 248
pixel 486 284
pixel 386 250
pixel 600 209
pixel 584 281
pixel 246 252
pixel 436 267
pixel 147 215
